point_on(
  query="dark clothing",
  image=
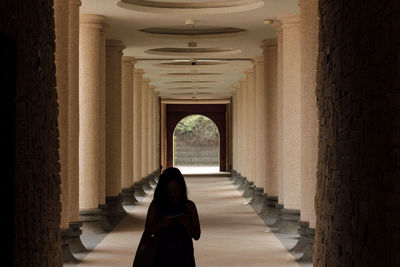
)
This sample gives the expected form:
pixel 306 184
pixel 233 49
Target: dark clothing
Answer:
pixel 176 245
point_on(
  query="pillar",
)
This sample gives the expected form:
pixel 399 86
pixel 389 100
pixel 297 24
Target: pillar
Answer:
pixel 128 197
pixel 156 147
pixel 270 54
pixel 279 116
pixel 113 128
pixel 234 131
pixel 150 132
pixel 73 127
pixel 61 17
pixel 309 126
pixel 90 119
pixel 291 124
pixel 145 126
pixel 244 126
pixel 137 131
pixel 251 125
pixel 260 124
pixel 309 110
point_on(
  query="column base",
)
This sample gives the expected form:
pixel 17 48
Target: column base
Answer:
pixel 243 183
pixel 138 190
pixel 288 223
pixel 305 243
pixel 249 190
pixel 66 252
pixel 259 196
pixel 277 211
pixel 93 221
pixel 146 183
pixel 238 180
pixel 128 196
pixel 75 243
pixel 116 211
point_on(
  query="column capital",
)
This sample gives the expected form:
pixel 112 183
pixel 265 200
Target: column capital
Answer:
pixel 266 43
pixel 152 87
pixel 138 71
pixel 117 44
pixel 77 3
pixel 259 59
pixel 289 19
pixel 146 80
pixel 277 25
pixel 249 71
pixel 94 21
pixel 128 60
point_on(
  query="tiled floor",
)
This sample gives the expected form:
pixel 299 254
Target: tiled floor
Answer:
pixel 232 233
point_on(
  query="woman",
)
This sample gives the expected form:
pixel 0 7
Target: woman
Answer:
pixel 174 220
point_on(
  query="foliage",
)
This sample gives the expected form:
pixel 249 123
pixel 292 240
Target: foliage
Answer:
pixel 197 130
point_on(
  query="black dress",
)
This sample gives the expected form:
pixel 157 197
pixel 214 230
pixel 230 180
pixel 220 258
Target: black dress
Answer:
pixel 176 245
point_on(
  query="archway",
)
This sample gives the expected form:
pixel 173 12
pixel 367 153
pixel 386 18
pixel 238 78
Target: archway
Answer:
pixel 216 112
pixel 196 142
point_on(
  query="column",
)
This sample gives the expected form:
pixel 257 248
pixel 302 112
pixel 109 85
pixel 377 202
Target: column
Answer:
pixel 291 120
pixel 128 197
pixel 234 131
pixel 270 54
pixel 251 125
pixel 89 120
pixel 102 131
pixel 260 124
pixel 309 125
pixel 279 132
pixel 145 125
pixel 244 126
pixel 150 132
pixel 239 150
pixel 137 130
pixel 73 127
pixel 61 16
pixel 113 128
pixel 156 148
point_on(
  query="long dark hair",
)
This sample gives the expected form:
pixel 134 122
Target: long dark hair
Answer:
pixel 161 191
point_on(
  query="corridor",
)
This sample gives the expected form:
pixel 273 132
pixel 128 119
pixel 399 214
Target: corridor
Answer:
pixel 232 233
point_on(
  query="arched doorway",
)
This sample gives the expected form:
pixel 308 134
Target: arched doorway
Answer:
pixel 196 142
pixel 216 112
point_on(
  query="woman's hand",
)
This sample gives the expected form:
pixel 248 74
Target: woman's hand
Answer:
pixel 164 223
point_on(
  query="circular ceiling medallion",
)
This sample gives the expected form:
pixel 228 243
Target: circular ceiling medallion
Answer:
pixel 191 7
pixel 189 63
pixel 198 74
pixel 191 82
pixel 189 88
pixel 191 31
pixel 193 51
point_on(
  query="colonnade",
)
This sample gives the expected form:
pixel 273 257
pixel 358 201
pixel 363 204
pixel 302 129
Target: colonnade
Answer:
pixel 108 126
pixel 275 127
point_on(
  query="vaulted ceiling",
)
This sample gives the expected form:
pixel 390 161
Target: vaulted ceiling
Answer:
pixel 191 49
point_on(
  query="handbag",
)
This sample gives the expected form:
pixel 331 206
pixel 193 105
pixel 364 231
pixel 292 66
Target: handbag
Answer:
pixel 146 251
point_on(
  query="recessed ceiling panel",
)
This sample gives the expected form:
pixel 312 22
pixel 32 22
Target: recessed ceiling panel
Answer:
pixel 191 7
pixel 193 52
pixel 194 31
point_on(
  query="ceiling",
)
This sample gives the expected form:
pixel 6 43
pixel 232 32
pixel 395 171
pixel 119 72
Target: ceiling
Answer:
pixel 198 49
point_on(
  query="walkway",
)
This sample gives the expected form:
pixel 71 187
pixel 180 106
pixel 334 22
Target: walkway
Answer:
pixel 232 233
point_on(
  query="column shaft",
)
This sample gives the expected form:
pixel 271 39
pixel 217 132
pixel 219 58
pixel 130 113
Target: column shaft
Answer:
pixel 145 124
pixel 61 9
pixel 89 107
pixel 291 110
pixel 137 122
pixel 73 107
pixel 309 110
pixel 270 54
pixel 113 116
pixel 251 128
pixel 244 125
pixel 260 124
pixel 127 123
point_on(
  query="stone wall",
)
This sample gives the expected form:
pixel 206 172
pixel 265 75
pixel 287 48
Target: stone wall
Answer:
pixel 36 183
pixel 358 91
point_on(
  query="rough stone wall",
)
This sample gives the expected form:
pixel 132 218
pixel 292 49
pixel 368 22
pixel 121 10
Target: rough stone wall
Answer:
pixel 358 91
pixel 36 201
